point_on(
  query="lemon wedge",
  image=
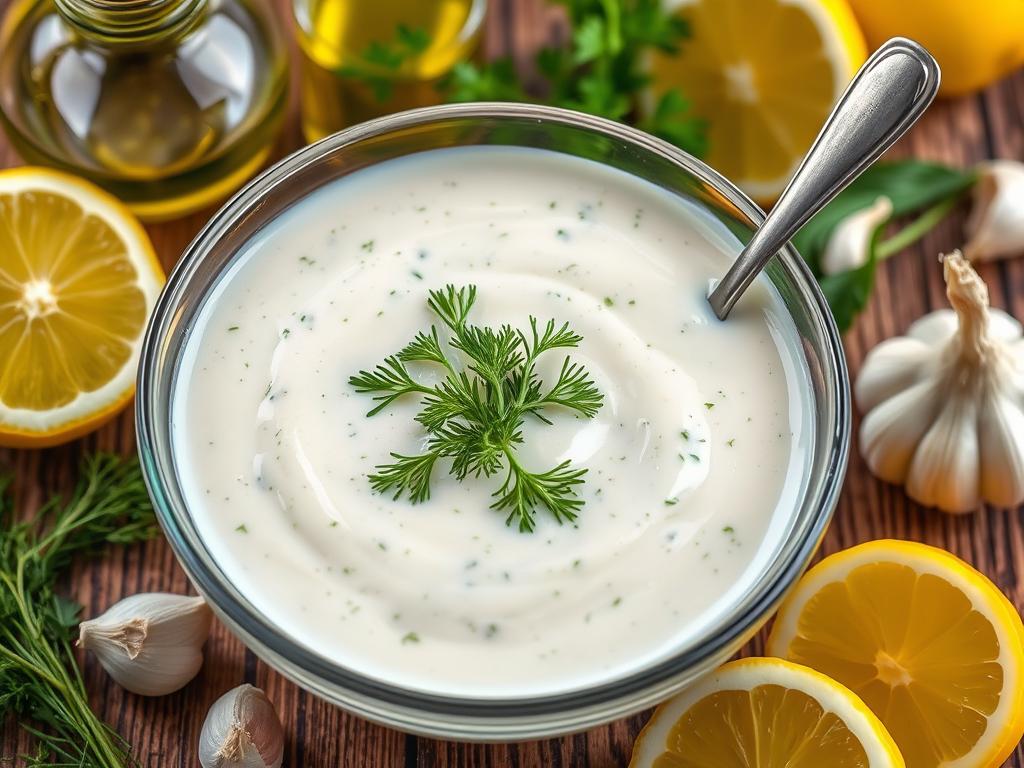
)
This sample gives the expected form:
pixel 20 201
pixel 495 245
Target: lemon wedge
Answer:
pixel 78 278
pixel 765 713
pixel 929 644
pixel 765 75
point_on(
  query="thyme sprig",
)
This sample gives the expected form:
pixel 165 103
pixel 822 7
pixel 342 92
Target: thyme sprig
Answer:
pixel 474 416
pixel 39 677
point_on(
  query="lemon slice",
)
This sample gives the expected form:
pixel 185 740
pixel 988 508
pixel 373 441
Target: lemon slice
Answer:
pixel 930 644
pixel 764 74
pixel 78 278
pixel 765 713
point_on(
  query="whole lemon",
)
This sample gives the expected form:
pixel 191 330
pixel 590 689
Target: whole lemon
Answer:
pixel 974 41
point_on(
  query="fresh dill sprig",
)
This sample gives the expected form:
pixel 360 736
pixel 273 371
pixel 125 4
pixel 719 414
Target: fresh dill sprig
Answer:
pixel 39 677
pixel 474 416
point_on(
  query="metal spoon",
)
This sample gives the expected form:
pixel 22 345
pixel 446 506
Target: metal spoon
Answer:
pixel 886 97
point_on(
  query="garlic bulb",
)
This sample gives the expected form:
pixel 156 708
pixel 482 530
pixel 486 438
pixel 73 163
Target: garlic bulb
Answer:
pixel 850 242
pixel 995 226
pixel 943 404
pixel 150 643
pixel 242 729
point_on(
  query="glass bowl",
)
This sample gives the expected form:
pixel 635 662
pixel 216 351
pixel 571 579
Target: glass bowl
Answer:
pixel 490 719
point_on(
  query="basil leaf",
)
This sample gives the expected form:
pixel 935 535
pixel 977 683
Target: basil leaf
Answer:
pixel 848 292
pixel 911 185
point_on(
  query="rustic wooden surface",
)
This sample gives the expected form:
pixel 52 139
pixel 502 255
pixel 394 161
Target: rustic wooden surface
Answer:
pixel 164 731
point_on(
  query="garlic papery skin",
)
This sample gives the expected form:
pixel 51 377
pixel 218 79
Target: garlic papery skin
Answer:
pixel 995 225
pixel 150 643
pixel 943 404
pixel 850 243
pixel 242 730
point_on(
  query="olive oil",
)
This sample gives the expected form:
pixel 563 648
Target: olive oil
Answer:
pixel 365 58
pixel 168 104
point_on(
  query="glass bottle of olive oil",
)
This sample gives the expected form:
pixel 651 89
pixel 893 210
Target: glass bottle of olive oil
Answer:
pixel 366 58
pixel 168 104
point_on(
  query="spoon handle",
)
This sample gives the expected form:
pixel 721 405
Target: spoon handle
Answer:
pixel 889 93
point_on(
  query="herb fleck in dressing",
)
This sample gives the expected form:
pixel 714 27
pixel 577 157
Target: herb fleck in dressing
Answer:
pixel 693 460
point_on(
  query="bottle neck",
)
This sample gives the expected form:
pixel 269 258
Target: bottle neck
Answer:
pixel 132 22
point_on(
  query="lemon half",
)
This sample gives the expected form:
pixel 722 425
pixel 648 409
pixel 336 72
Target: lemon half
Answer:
pixel 930 644
pixel 765 75
pixel 78 279
pixel 765 713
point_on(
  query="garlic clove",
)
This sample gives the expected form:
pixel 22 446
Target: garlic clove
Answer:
pixel 891 367
pixel 242 730
pixel 850 243
pixel 891 431
pixel 995 225
pixel 934 328
pixel 150 643
pixel 945 470
pixel 1001 439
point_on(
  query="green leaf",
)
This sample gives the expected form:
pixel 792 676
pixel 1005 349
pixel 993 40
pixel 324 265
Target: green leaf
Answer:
pixel 848 292
pixel 647 23
pixel 380 61
pixel 66 611
pixel 589 40
pixel 413 39
pixel 602 70
pixel 673 122
pixel 599 96
pixel 496 81
pixel 911 185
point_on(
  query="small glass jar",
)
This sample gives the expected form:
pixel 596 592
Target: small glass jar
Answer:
pixel 366 58
pixel 168 104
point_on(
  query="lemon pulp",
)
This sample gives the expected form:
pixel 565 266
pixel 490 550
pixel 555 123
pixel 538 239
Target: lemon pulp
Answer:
pixel 77 279
pixel 914 649
pixel 764 74
pixel 772 727
pixel 930 645
pixel 70 305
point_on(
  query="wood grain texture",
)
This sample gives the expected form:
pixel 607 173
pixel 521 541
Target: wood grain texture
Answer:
pixel 164 731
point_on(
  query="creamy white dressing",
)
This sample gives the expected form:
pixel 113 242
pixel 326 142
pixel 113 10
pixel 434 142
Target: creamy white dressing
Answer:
pixel 694 461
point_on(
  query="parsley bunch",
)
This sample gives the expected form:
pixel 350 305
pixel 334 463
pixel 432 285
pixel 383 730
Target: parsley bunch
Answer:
pixel 474 417
pixel 601 71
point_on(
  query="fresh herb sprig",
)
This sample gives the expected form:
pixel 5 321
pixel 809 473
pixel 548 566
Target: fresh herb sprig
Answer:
pixel 39 677
pixel 474 416
pixel 601 70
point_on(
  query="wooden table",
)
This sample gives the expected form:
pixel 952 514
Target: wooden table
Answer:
pixel 164 731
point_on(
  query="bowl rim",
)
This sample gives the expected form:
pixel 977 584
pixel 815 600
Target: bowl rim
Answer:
pixel 461 717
